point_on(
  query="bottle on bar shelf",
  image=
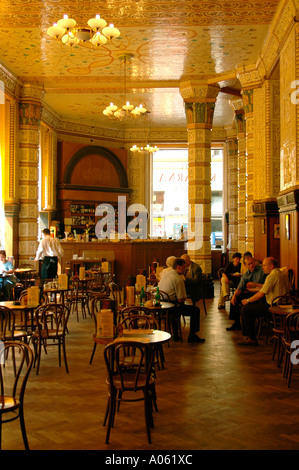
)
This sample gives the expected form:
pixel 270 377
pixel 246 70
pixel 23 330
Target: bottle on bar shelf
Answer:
pixel 142 296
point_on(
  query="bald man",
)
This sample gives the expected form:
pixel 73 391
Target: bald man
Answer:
pixel 193 279
pixel 276 284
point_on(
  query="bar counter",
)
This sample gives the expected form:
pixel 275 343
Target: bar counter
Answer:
pixel 128 256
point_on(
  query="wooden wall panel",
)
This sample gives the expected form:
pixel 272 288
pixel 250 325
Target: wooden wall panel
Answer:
pixel 266 219
pixel 289 227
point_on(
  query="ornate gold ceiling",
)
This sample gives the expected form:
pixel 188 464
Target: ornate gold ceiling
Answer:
pixel 170 39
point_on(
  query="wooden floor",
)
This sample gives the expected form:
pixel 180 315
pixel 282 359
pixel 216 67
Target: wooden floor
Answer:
pixel 215 395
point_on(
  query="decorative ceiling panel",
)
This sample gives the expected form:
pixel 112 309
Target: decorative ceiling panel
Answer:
pixel 169 40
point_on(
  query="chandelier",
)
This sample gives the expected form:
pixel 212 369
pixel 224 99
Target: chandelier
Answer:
pixel 127 110
pixel 148 148
pixel 96 33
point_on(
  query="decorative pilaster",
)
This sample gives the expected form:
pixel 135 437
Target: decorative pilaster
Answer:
pixel 237 105
pixel 48 170
pixel 199 105
pixel 29 125
pixel 289 152
pixel 266 141
pixel 232 188
pixel 9 177
pixel 249 119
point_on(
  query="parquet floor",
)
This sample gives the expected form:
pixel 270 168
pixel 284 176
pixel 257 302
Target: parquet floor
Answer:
pixel 211 396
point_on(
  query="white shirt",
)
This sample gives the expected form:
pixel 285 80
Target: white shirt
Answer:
pixel 173 284
pixel 276 284
pixel 49 247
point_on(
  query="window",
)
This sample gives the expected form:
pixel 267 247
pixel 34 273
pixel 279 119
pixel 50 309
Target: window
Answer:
pixel 169 214
pixel 217 202
pixel 169 193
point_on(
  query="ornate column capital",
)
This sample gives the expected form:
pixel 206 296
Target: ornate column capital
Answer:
pixel 251 76
pixel 237 105
pixel 197 92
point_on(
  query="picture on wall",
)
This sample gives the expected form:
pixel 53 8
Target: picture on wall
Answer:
pixel 276 231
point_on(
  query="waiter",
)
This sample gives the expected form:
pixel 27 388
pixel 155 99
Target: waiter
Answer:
pixel 49 250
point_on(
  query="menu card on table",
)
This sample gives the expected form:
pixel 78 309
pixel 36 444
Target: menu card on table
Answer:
pixel 140 282
pixel 33 296
pixel 81 273
pixel 130 295
pixel 105 325
pixel 62 281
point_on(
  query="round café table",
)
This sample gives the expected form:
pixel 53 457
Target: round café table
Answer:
pixel 155 339
pixel 160 310
pixel 24 274
pixel 26 311
pixel 55 291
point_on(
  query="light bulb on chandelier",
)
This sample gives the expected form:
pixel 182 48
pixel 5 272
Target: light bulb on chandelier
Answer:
pixel 96 33
pixel 127 110
pixel 147 148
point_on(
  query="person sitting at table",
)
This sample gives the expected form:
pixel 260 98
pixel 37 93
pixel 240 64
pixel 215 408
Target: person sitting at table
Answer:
pixel 254 275
pixel 8 283
pixel 229 279
pixel 173 284
pixel 276 284
pixel 193 279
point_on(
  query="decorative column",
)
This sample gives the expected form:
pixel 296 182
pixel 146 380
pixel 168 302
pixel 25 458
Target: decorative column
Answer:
pixel 9 122
pixel 249 119
pixel 199 105
pixel 232 188
pixel 237 105
pixel 266 169
pixel 29 125
pixel 288 198
pixel 48 174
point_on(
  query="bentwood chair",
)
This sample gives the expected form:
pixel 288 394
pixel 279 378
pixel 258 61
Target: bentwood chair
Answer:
pixel 13 381
pixel 291 334
pixel 137 310
pixel 51 330
pixel 115 293
pixel 78 296
pixel 98 303
pixel 283 301
pixel 10 329
pixel 130 379
pixel 144 322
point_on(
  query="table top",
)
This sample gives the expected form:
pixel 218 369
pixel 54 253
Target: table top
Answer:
pixel 163 305
pixel 55 289
pixel 283 309
pixel 145 336
pixel 24 270
pixel 13 306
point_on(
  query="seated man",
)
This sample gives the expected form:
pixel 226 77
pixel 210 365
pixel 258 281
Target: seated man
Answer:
pixel 173 284
pixel 229 279
pixel 275 284
pixel 193 279
pixel 254 275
